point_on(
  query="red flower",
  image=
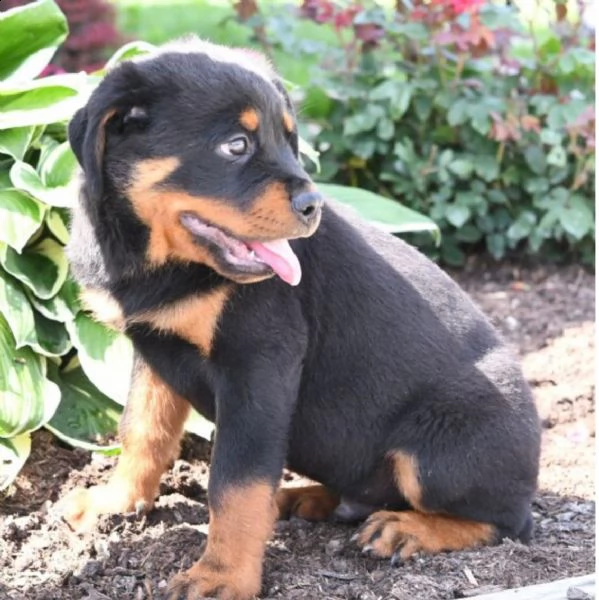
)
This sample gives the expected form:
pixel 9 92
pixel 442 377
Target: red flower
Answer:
pixel 461 6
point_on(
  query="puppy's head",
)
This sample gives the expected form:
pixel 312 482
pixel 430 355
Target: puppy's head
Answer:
pixel 201 142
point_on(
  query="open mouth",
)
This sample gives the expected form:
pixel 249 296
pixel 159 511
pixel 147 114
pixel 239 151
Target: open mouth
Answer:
pixel 251 258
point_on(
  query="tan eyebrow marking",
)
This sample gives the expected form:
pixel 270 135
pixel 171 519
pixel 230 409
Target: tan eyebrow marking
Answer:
pixel 250 119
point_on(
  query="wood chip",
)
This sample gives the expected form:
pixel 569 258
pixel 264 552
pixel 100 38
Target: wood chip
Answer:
pixel 470 576
pixel 335 575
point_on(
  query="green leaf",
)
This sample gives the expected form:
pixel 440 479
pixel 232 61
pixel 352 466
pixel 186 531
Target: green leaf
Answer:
pixel 535 157
pixel 311 153
pixel 452 254
pixel 423 106
pixel 385 129
pixel 29 36
pixel 27 399
pixel 360 122
pixel 15 308
pixel 522 226
pixel 59 167
pixel 57 224
pixel 14 452
pixel 106 356
pixel 63 307
pixel 16 141
pixel 20 217
pixel 43 101
pixel 86 418
pixel 557 157
pixel 127 52
pixel 468 233
pixel 458 113
pixel 364 148
pixel 536 185
pixel 497 197
pixel 486 167
pixel 551 137
pixel 387 214
pixel 496 245
pixel 461 167
pixel 51 337
pixel 457 214
pixel 576 217
pixel 42 268
pixel 25 178
pixel 401 102
pixel 387 90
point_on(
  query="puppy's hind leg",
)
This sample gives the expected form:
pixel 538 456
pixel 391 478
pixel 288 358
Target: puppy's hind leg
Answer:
pixel 439 521
pixel 312 502
pixel 150 432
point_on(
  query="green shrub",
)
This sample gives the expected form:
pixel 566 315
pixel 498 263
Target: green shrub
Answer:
pixel 460 112
pixel 58 367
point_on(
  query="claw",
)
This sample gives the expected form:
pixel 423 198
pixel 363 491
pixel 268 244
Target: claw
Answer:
pixel 367 549
pixel 396 560
pixel 140 508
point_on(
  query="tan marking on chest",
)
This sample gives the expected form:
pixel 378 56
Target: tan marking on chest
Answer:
pixel 193 319
pixel 104 308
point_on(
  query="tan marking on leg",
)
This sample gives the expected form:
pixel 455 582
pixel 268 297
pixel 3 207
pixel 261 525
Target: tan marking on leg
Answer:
pixel 387 532
pixel 231 567
pixel 288 122
pixel 407 478
pixel 150 432
pixel 250 119
pixel 313 502
pixel 104 308
pixel 195 319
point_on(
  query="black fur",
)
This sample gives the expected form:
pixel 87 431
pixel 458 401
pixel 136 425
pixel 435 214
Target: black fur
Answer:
pixel 376 350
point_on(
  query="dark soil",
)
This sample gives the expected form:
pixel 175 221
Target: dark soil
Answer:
pixel 547 313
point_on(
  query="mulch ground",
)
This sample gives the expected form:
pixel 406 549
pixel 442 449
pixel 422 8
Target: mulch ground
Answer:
pixel 547 313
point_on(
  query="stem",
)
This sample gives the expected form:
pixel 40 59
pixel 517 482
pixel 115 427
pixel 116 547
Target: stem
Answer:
pixel 500 152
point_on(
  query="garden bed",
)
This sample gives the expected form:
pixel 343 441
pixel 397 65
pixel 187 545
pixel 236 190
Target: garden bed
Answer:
pixel 547 313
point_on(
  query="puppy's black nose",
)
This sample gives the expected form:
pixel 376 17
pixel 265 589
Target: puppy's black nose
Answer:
pixel 307 205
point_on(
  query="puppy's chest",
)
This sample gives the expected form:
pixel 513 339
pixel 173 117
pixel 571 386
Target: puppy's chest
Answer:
pixel 194 318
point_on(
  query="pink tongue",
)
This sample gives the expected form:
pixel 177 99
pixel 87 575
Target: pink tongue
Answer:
pixel 279 256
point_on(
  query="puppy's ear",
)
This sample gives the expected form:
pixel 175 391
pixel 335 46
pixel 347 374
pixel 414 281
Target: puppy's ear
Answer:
pixel 87 137
pixel 293 139
pixel 76 133
pixel 117 98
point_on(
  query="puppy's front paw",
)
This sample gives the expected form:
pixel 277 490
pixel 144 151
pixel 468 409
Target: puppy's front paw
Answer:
pixel 82 507
pixel 210 578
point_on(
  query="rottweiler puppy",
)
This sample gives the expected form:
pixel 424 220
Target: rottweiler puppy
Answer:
pixel 312 339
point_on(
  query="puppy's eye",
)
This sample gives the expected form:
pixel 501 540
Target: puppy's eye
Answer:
pixel 237 146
